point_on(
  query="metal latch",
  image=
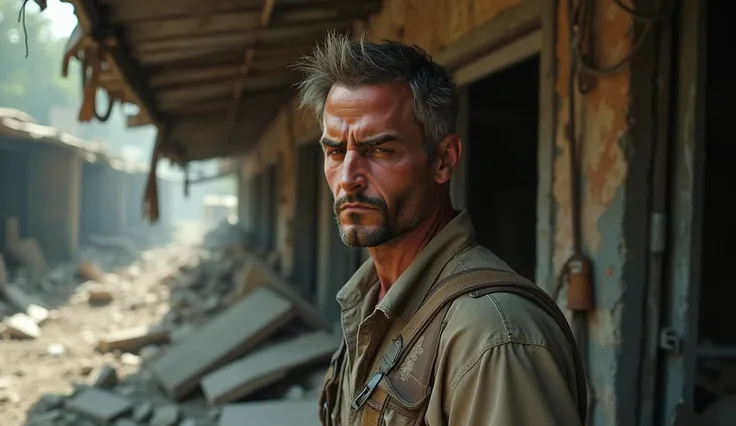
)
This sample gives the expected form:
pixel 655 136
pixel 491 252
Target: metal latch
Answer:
pixel 670 340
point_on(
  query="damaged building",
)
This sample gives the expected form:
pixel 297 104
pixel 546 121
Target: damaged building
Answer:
pixel 61 191
pixel 593 151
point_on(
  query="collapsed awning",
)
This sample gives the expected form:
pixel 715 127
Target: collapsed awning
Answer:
pixel 209 75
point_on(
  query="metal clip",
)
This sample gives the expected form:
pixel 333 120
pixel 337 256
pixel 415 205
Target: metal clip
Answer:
pixel 367 391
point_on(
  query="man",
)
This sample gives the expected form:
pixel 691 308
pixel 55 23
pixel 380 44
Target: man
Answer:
pixel 388 117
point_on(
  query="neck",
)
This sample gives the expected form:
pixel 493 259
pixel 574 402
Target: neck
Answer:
pixel 392 259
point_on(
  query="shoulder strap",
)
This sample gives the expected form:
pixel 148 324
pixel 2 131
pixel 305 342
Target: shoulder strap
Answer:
pixel 475 282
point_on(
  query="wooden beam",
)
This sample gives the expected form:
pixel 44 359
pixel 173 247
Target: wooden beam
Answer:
pixel 508 25
pixel 280 34
pixel 222 88
pixel 250 51
pixel 164 58
pixel 181 76
pixel 189 108
pixel 223 41
pixel 125 11
pixel 193 24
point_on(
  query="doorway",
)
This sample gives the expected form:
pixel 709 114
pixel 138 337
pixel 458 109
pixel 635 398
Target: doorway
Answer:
pixel 502 162
pixel 716 354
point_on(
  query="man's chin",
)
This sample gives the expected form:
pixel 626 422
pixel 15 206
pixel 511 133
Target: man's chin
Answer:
pixel 363 236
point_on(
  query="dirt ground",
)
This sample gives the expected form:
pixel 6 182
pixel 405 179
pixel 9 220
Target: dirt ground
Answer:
pixel 65 352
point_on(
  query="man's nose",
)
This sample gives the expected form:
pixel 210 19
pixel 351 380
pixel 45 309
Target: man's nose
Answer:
pixel 352 177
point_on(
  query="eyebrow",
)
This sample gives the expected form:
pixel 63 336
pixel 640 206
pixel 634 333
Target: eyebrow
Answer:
pixel 370 142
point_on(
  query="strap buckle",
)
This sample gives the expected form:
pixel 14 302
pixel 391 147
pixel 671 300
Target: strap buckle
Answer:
pixel 367 391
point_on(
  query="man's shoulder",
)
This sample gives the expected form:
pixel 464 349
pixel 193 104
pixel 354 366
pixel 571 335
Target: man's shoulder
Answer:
pixel 498 318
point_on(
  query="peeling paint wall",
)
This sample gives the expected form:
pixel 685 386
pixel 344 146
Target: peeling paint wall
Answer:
pixel 603 140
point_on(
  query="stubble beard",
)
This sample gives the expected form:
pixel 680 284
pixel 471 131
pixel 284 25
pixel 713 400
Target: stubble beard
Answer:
pixel 409 214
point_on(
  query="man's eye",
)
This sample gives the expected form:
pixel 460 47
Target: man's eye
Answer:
pixel 381 150
pixel 334 152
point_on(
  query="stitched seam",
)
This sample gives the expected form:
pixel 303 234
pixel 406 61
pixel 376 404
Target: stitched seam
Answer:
pixel 474 361
pixel 506 327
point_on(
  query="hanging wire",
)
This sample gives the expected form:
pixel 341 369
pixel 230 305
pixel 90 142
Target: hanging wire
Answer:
pixel 583 36
pixel 22 17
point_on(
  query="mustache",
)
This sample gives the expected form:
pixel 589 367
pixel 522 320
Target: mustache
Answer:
pixel 362 199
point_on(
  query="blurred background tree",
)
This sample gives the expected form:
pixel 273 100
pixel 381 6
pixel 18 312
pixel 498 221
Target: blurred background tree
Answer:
pixel 32 83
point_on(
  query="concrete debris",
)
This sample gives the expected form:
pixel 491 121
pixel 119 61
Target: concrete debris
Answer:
pixel 99 405
pixel 21 326
pixel 105 377
pixel 56 349
pixel 166 415
pixel 272 413
pixel 143 411
pixel 227 337
pixel 91 271
pixel 163 323
pixel 266 366
pixel 98 296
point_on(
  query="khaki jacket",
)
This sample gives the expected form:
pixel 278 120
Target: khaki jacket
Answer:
pixel 501 360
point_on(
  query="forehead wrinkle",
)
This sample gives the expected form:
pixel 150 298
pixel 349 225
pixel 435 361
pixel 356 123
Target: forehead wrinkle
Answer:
pixel 367 111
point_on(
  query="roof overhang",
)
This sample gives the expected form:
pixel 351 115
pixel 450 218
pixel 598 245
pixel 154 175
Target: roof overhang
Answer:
pixel 210 75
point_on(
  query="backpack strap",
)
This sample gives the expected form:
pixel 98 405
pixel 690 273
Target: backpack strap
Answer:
pixel 372 399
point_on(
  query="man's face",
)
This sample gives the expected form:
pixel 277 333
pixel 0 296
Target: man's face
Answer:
pixel 375 163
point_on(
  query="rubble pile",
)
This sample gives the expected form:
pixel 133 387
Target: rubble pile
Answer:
pixel 232 343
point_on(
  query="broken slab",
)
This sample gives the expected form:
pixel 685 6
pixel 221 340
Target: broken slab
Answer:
pixel 266 366
pixel 271 413
pixel 166 415
pixel 256 274
pixel 99 405
pixel 133 340
pixel 224 338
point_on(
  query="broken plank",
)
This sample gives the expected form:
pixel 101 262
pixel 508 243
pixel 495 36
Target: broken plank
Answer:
pixel 271 413
pixel 224 338
pixel 99 405
pixel 272 280
pixel 132 340
pixel 266 366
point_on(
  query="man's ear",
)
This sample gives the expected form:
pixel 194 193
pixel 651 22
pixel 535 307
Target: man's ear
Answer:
pixel 447 158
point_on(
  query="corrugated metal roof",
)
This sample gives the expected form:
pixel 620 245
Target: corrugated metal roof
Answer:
pixel 211 74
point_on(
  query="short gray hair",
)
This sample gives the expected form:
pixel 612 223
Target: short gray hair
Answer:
pixel 342 61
